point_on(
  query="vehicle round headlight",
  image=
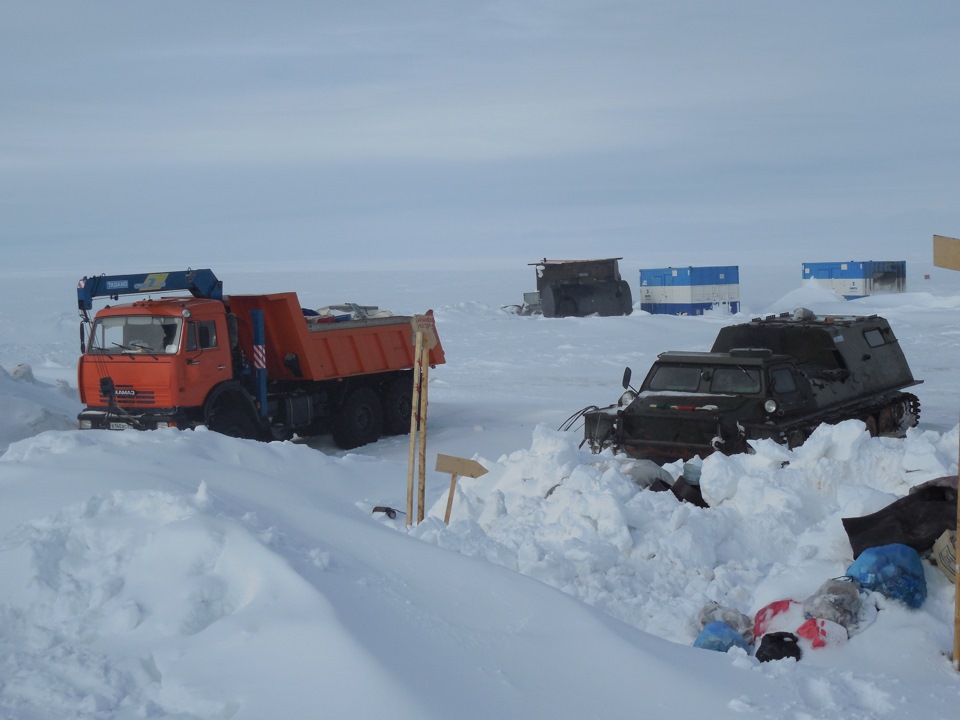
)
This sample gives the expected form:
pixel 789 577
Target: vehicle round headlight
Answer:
pixel 770 406
pixel 628 397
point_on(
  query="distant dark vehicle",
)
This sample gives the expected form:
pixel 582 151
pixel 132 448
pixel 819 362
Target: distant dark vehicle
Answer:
pixel 777 377
pixel 578 288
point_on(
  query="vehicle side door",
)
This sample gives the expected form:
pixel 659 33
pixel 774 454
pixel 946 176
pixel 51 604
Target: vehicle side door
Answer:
pixel 790 388
pixel 207 356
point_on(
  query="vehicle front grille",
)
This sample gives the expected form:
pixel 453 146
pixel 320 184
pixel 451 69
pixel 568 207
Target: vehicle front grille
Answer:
pixel 128 395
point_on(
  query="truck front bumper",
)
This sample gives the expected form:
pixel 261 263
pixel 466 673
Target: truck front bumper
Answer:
pixel 600 428
pixel 106 419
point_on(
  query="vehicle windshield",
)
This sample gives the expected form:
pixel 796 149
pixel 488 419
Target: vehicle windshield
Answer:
pixel 675 378
pixel 146 334
pixel 739 380
pixel 721 380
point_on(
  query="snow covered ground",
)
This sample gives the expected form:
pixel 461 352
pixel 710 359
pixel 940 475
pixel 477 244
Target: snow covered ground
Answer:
pixel 189 575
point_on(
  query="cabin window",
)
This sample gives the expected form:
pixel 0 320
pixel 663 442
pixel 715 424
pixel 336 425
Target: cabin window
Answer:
pixel 782 382
pixel 874 338
pixel 201 335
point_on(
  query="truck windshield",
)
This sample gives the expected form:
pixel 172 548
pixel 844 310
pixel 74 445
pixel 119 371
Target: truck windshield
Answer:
pixel 147 334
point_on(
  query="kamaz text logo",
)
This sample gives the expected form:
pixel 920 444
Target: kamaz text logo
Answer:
pixel 127 393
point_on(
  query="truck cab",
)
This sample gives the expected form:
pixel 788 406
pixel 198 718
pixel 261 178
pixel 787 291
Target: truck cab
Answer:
pixel 251 366
pixel 145 363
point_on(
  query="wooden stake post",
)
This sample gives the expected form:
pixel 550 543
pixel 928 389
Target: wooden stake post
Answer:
pixel 425 339
pixel 946 254
pixel 457 466
pixel 956 592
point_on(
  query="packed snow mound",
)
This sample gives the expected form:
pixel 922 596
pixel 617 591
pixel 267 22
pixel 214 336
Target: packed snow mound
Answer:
pixel 31 406
pixel 257 591
pixel 814 296
pixel 586 525
pixel 102 571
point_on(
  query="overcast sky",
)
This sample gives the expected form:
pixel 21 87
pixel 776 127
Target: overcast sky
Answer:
pixel 136 134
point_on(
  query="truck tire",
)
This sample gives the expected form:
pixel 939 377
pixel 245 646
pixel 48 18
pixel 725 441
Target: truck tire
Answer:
pixel 359 419
pixel 397 400
pixel 232 413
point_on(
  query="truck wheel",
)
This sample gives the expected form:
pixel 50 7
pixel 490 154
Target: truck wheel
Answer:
pixel 279 432
pixel 233 414
pixel 397 402
pixel 359 419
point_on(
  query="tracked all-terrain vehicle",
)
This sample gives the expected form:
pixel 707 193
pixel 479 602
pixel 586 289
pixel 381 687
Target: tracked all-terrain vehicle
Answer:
pixel 776 377
pixel 578 288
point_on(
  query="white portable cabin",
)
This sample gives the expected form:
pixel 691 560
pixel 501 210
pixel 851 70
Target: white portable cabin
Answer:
pixel 857 279
pixel 690 290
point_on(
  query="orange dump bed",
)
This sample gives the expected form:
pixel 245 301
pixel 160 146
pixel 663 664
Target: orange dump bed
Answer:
pixel 325 351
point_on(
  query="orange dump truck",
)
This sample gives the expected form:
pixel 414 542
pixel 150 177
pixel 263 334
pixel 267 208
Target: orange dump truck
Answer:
pixel 253 366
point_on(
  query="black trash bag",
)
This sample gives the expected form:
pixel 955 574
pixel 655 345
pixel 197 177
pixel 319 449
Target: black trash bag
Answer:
pixel 916 520
pixel 777 646
pixel 688 492
pixel 659 485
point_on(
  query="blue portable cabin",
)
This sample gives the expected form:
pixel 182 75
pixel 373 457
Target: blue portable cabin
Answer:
pixel 690 290
pixel 856 279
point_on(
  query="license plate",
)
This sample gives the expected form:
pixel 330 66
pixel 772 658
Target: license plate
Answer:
pixel 118 426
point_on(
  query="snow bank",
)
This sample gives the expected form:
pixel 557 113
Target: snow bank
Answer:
pixel 582 523
pixel 31 406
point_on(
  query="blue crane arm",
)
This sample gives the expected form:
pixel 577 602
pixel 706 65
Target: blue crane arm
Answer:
pixel 201 283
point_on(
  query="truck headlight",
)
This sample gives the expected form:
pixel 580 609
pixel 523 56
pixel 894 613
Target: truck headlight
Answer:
pixel 86 425
pixel 628 397
pixel 771 406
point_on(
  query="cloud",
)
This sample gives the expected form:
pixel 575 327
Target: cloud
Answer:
pixel 519 121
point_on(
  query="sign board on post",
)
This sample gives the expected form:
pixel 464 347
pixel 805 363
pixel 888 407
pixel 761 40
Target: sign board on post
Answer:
pixel 457 466
pixel 946 252
pixel 426 326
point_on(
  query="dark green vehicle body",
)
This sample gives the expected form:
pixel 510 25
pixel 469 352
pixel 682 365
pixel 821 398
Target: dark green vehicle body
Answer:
pixel 777 377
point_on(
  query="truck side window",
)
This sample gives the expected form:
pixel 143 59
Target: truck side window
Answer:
pixel 191 336
pixel 207 334
pixel 201 335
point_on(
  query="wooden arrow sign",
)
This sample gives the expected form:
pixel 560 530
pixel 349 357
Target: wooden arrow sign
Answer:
pixel 457 466
pixel 460 466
